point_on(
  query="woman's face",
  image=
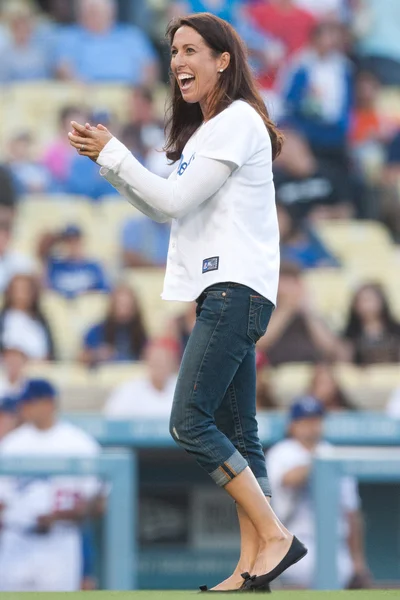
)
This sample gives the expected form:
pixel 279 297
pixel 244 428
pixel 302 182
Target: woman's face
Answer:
pixel 368 304
pixel 195 67
pixel 324 385
pixel 124 305
pixel 21 294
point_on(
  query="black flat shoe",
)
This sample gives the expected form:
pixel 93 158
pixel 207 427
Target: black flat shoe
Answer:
pixel 296 552
pixel 247 577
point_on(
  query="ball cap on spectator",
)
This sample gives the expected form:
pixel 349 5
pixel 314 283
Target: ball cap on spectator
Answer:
pixel 9 404
pixel 71 231
pixel 36 389
pixel 306 407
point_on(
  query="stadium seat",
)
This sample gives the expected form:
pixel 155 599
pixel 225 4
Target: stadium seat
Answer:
pixel 348 237
pixel 329 294
pixel 380 380
pixel 61 316
pixel 89 309
pixel 290 380
pixel 113 211
pixel 55 213
pixel 148 283
pixel 110 375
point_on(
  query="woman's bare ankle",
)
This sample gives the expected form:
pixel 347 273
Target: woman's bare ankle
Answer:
pixel 274 538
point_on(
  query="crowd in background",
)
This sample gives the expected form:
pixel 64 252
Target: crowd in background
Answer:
pixel 321 68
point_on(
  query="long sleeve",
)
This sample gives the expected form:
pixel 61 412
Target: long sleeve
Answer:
pixel 157 197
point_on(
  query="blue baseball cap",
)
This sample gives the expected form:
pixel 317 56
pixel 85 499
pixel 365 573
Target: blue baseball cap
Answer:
pixel 36 389
pixel 71 231
pixel 9 404
pixel 306 407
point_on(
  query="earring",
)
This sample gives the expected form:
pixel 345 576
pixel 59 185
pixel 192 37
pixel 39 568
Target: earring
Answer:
pixel 221 70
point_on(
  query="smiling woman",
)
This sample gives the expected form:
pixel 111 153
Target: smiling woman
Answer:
pixel 223 253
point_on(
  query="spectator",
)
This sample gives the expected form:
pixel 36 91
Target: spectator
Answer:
pixel 68 271
pixel 99 50
pixel 30 176
pixel 371 129
pixel 289 469
pixel 144 243
pixel 11 262
pixel 59 154
pixel 318 93
pixel 43 516
pixel 288 27
pixel 84 177
pixel 296 333
pixel 181 326
pixel 376 24
pixel 28 52
pixel 372 332
pixel 8 190
pixel 21 315
pixel 19 347
pixel 337 10
pixel 325 388
pixel 149 132
pixel 265 398
pixel 308 186
pixel 151 396
pixel 300 244
pixel 9 419
pixel 121 336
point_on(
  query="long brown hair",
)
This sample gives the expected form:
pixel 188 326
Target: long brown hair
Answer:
pixel 134 325
pixel 235 83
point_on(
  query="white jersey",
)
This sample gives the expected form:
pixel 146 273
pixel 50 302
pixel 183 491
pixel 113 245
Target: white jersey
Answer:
pixel 221 199
pixel 140 399
pixel 51 561
pixel 233 236
pixel 294 506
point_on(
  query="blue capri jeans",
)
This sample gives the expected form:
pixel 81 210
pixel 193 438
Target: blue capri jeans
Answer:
pixel 214 410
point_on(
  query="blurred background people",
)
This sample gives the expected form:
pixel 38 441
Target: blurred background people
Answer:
pixel 325 388
pixel 21 315
pixel 9 419
pixel 289 468
pixel 300 244
pixel 30 176
pixel 296 332
pixel 40 546
pixel 12 262
pixel 151 396
pixel 58 154
pixel 121 336
pixel 99 49
pixel 68 270
pixel 372 333
pixel 144 242
pixel 27 54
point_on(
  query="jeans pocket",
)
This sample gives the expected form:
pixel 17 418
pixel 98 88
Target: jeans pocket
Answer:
pixel 260 312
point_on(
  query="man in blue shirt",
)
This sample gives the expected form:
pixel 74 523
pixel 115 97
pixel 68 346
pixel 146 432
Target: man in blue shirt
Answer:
pixel 144 243
pixel 72 274
pixel 99 50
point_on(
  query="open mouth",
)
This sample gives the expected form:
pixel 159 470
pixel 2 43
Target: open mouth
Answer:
pixel 185 81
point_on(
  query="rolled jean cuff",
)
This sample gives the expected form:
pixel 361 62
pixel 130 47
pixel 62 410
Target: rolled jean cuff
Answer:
pixel 264 484
pixel 229 469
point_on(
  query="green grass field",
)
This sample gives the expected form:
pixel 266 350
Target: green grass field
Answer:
pixel 174 595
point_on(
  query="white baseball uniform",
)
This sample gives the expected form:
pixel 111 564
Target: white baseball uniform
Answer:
pixel 294 506
pixel 52 561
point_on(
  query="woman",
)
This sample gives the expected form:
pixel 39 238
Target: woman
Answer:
pixel 224 253
pixel 372 332
pixel 21 315
pixel 300 244
pixel 327 390
pixel 121 336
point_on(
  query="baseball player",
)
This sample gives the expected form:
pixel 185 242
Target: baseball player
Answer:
pixel 40 536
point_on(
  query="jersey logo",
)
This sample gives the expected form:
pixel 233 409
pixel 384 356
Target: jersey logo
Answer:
pixel 183 165
pixel 210 264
